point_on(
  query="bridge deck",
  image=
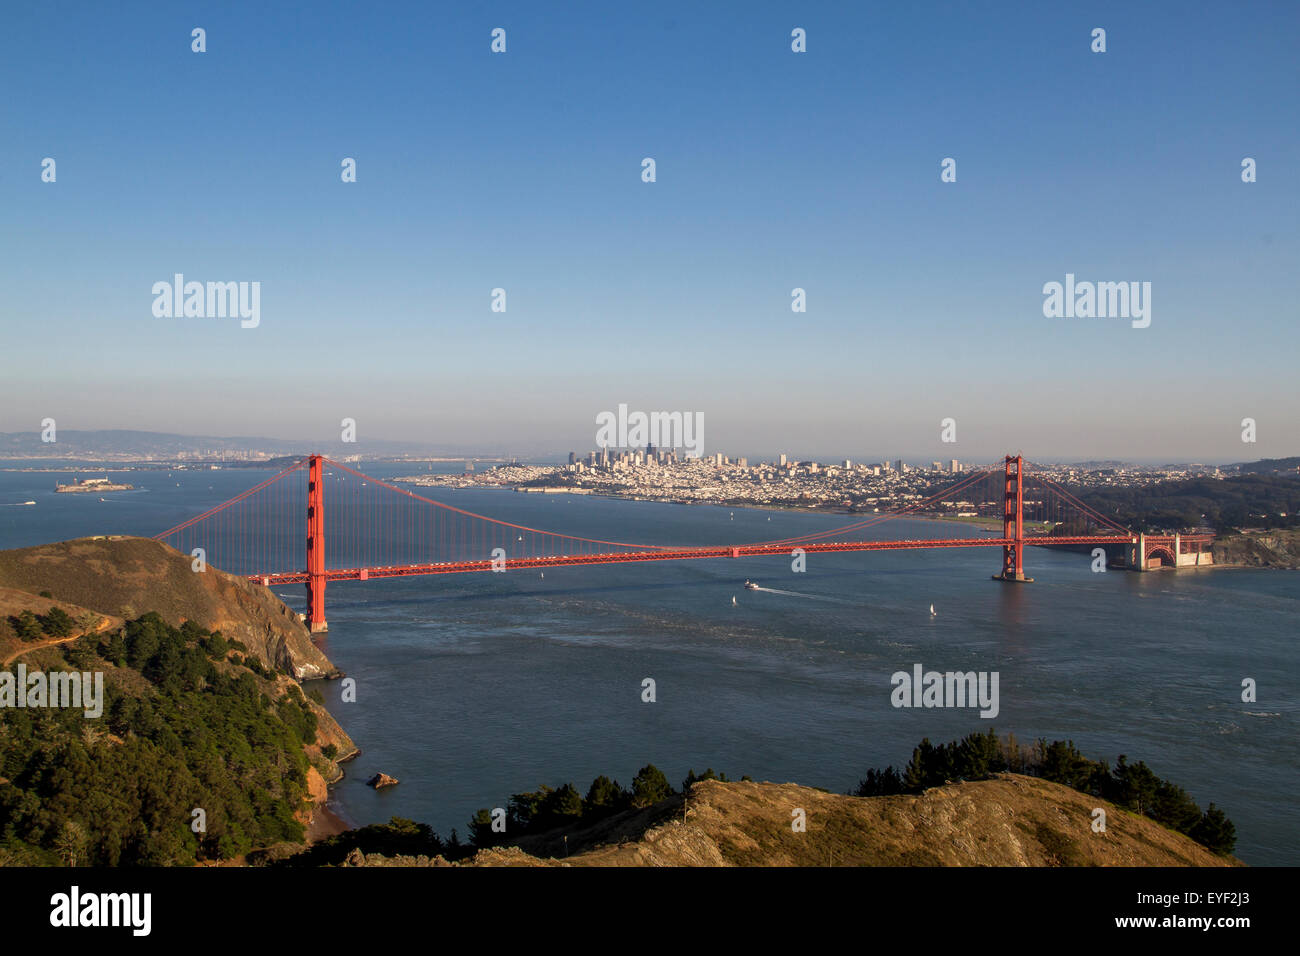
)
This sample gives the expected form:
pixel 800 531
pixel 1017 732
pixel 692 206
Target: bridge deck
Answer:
pixel 682 554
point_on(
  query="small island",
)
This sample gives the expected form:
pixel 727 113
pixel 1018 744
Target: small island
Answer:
pixel 92 484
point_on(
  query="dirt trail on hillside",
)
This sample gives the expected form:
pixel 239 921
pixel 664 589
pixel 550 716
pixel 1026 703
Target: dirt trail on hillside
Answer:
pixel 104 625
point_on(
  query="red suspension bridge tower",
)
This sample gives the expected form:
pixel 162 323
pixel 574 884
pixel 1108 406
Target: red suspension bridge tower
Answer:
pixel 1013 522
pixel 315 546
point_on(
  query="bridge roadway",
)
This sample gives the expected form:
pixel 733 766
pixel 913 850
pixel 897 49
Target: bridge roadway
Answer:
pixel 680 554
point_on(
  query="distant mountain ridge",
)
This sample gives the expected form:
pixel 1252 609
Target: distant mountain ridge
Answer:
pixel 124 444
pixel 134 445
pixel 1266 466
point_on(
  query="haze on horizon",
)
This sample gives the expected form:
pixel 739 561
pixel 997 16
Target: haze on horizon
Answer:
pixel 775 171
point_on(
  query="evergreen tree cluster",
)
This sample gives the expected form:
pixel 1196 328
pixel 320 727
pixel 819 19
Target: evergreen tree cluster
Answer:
pixel 397 837
pixel 120 789
pixel 547 808
pixel 37 627
pixel 1132 786
pixel 526 813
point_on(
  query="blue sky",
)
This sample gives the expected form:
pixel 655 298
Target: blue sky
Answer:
pixel 775 170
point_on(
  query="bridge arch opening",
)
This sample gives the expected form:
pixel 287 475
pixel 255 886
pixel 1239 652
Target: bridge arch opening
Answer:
pixel 1161 557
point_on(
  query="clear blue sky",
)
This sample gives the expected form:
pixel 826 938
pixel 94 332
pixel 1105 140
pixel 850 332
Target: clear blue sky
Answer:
pixel 775 170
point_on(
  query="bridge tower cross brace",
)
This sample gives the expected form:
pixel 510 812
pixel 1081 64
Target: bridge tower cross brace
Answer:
pixel 315 546
pixel 1013 522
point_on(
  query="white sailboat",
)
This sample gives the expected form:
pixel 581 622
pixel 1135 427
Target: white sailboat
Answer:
pixel 933 612
pixel 733 600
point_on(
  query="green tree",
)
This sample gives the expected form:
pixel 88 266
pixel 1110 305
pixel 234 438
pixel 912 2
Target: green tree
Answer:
pixel 692 778
pixel 560 807
pixel 1135 785
pixel 217 647
pixel 1172 807
pixel 115 650
pixel 604 796
pixel 650 786
pixel 480 830
pixel 1063 763
pixel 978 756
pixel 1215 831
pixel 880 783
pixel 930 766
pixel 522 808
pixel 27 626
pixel 58 623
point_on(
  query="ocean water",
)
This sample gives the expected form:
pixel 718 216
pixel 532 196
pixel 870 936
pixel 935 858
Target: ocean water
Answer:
pixel 472 687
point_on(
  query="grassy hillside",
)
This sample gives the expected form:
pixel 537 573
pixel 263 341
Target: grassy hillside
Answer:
pixel 1010 820
pixel 982 800
pixel 126 577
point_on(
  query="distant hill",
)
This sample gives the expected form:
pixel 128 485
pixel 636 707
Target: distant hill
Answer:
pixel 1270 466
pixel 1250 500
pixel 136 445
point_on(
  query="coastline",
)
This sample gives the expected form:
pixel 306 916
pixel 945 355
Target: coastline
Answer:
pixel 325 823
pixel 985 526
pixel 749 505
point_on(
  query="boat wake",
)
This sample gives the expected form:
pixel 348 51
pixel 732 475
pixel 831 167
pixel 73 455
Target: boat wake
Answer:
pixel 799 594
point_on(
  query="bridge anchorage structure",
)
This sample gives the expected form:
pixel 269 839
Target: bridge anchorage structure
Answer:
pixel 366 527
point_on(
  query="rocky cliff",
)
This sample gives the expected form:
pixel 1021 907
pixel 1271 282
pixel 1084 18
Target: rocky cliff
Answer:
pixel 1261 549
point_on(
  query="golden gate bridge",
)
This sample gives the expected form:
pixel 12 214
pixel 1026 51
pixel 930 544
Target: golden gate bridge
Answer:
pixel 276 532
